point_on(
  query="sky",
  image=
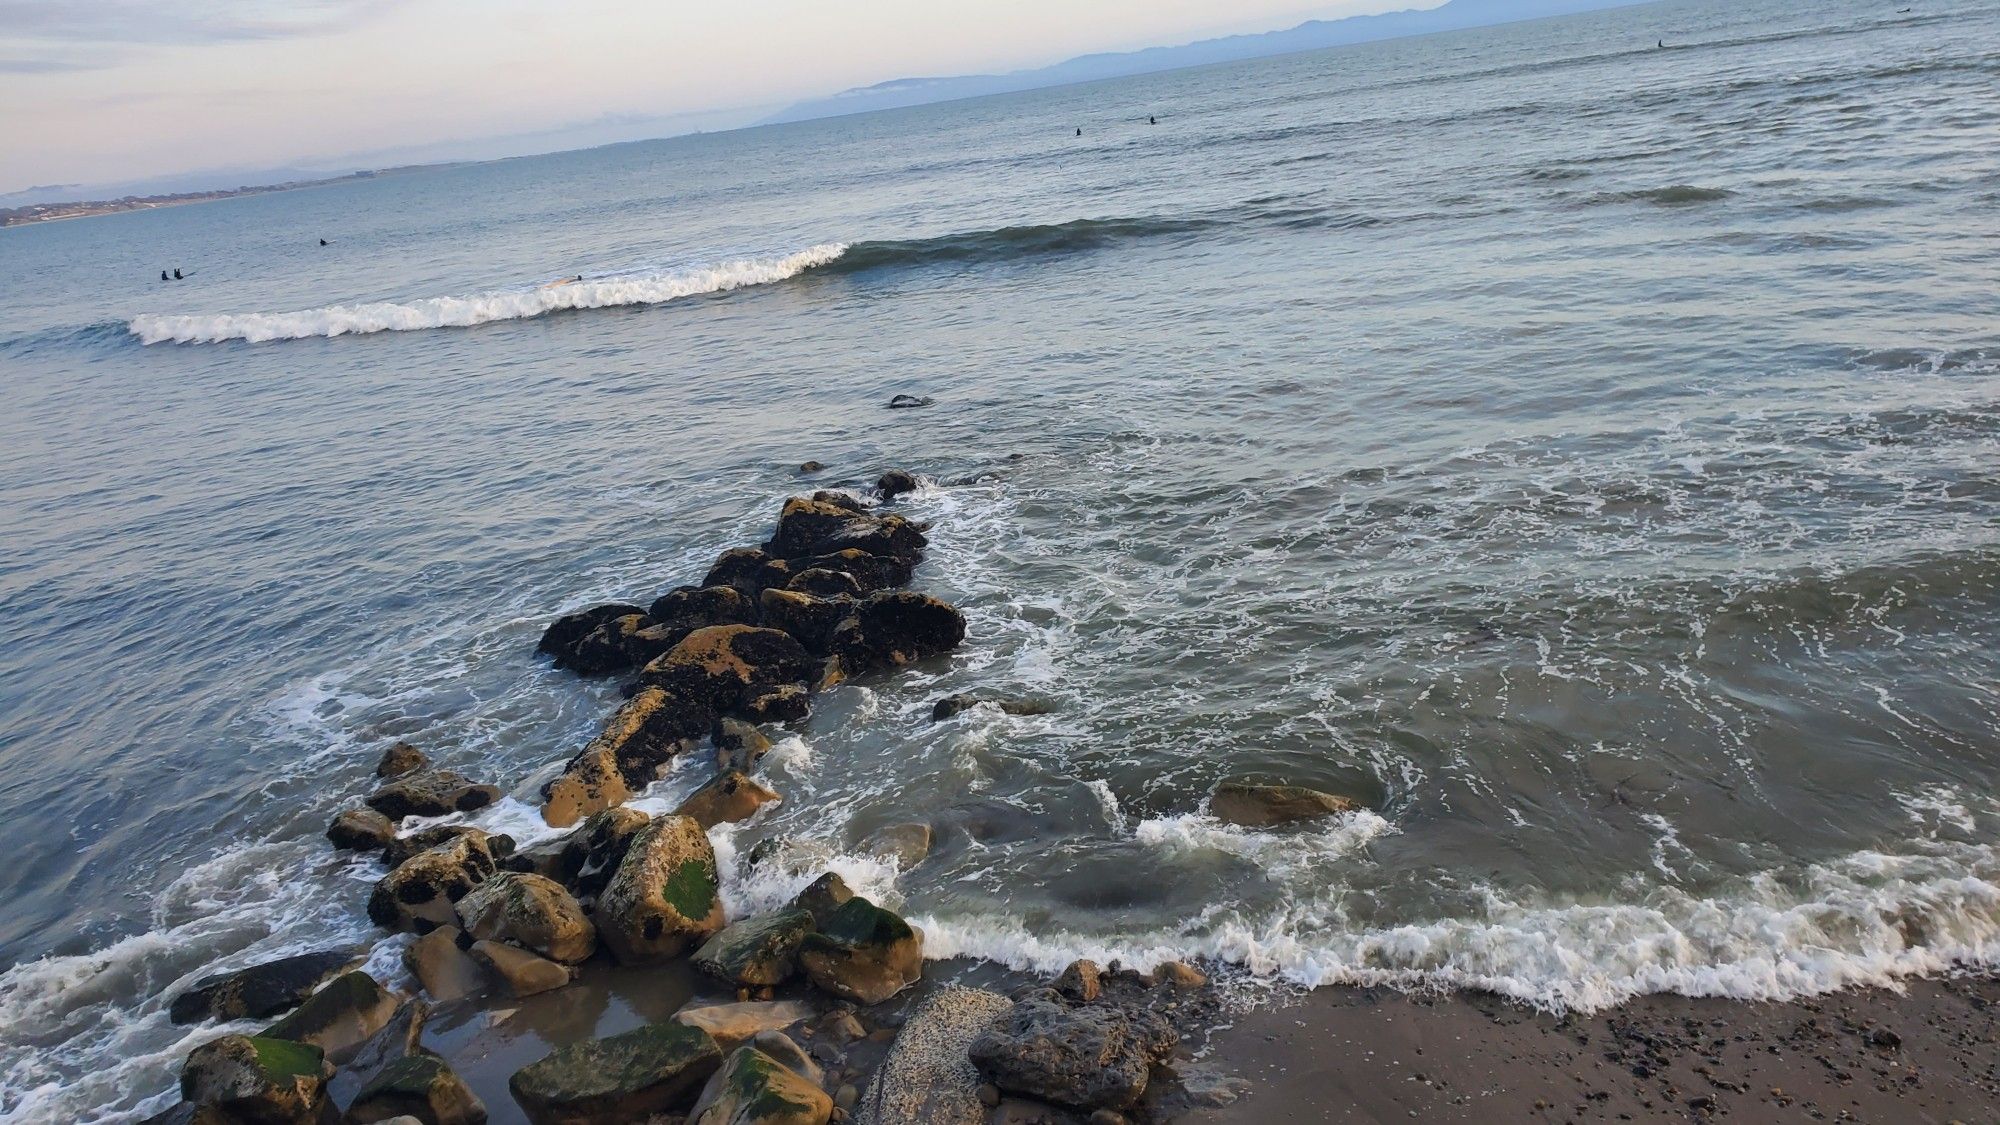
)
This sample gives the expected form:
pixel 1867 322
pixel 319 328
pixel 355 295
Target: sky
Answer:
pixel 110 91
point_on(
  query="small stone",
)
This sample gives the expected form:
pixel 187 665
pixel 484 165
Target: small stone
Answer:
pixel 400 759
pixel 525 973
pixel 895 483
pixel 1111 1117
pixel 361 830
pixel 738 745
pixel 846 1096
pixel 989 1095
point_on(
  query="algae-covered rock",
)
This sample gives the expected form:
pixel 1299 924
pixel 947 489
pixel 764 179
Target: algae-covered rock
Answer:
pixel 623 1078
pixel 531 911
pixel 1097 1056
pixel 823 897
pixel 895 628
pixel 786 703
pixel 730 797
pixel 863 953
pixel 650 730
pixel 259 1081
pixel 403 848
pixel 725 666
pixel 419 894
pixel 260 991
pixel 430 792
pixel 753 1088
pixel 738 568
pixel 758 952
pixel 664 896
pixel 419 1086
pixel 1267 806
pixel 361 830
pixel 340 1016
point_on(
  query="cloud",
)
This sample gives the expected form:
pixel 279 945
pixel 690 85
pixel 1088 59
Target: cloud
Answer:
pixel 43 66
pixel 172 22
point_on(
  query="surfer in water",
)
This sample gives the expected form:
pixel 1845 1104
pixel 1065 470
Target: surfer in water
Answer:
pixel 178 277
pixel 163 275
pixel 1152 121
pixel 322 242
pixel 560 282
pixel 1079 132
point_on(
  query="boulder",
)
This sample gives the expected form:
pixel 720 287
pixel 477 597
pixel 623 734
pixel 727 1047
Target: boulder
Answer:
pixel 870 572
pixel 419 1086
pixel 260 991
pixel 808 618
pixel 738 745
pixel 419 894
pixel 430 792
pixel 822 898
pixel 531 911
pixel 361 830
pixel 730 797
pixel 613 646
pixel 340 1016
pixel 697 607
pixel 526 973
pixel 926 1078
pixel 904 844
pixel 591 854
pixel 738 568
pixel 895 483
pixel 1268 806
pixel 863 953
pixel 824 584
pixel 1097 1056
pixel 953 705
pixel 561 638
pixel 623 1078
pixel 259 1081
pixel 788 1054
pixel 786 703
pixel 650 730
pixel 589 784
pixel 735 1024
pixel 724 666
pixel 895 628
pixel 400 1038
pixel 822 526
pixel 752 1088
pixel 756 953
pixel 663 897
pixel 399 759
pixel 442 967
pixel 1081 983
pixel 400 850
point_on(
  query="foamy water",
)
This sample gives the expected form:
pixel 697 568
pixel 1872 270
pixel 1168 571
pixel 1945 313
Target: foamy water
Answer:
pixel 1583 456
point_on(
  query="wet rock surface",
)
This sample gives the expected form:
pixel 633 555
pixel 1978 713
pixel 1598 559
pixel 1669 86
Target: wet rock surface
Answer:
pixel 430 792
pixel 664 897
pixel 1087 1056
pixel 339 1017
pixel 863 953
pixel 1251 805
pixel 260 991
pixel 531 911
pixel 622 1078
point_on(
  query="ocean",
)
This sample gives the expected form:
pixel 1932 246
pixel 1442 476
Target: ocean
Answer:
pixel 1585 453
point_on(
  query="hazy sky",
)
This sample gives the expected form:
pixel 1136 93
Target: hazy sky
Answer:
pixel 102 90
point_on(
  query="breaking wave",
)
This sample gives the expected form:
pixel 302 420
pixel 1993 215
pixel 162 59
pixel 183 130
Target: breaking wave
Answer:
pixel 1034 240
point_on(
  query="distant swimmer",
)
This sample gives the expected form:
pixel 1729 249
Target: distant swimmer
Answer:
pixel 562 281
pixel 178 277
pixel 163 275
pixel 1663 44
pixel 1079 132
pixel 1152 121
pixel 322 242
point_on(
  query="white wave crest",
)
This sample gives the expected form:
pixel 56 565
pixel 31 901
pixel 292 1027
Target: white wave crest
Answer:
pixel 463 312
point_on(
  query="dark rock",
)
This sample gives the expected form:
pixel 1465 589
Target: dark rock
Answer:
pixel 614 646
pixel 953 705
pixel 908 402
pixel 809 619
pixel 1267 806
pixel 811 527
pixel 419 1086
pixel 400 1038
pixel 926 1079
pixel 890 630
pixel 1181 975
pixel 442 966
pixel 1093 1057
pixel 786 703
pixel 826 895
pixel 257 1080
pixel 403 848
pixel 260 991
pixel 419 894
pixel 591 854
pixel 754 1088
pixel 561 638
pixel 810 467
pixel 339 1017
pixel 664 896
pixel 824 584
pixel 400 759
pixel 740 568
pixel 896 482
pixel 738 745
pixel 361 830
pixel 725 666
pixel 639 740
pixel 863 953
pixel 697 607
pixel 846 500
pixel 758 953
pixel 430 792
pixel 730 797
pixel 624 1078
pixel 870 572
pixel 531 911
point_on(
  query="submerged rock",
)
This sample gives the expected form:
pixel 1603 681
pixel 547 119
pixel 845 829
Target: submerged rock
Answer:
pixel 1266 806
pixel 260 991
pixel 361 830
pixel 561 638
pixel 1097 1056
pixel 735 1024
pixel 758 953
pixel 952 706
pixel 258 1080
pixel 895 483
pixel 730 797
pixel 399 759
pixel 340 1016
pixel 526 974
pixel 420 894
pixel 904 844
pixel 664 896
pixel 754 1088
pixel 430 792
pixel 419 1086
pixel 623 1078
pixel 531 911
pixel 889 630
pixel 863 953
pixel 442 966
pixel 926 1078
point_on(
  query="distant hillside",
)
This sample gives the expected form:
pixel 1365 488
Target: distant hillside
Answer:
pixel 1309 36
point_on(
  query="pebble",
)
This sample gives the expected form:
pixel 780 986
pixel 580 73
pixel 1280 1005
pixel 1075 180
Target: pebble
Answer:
pixel 846 1096
pixel 989 1095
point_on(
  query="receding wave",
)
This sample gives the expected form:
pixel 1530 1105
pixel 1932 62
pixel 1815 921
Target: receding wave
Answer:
pixel 1677 195
pixel 483 308
pixel 1038 240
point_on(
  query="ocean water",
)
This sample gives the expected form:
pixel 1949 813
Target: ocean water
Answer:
pixel 1588 454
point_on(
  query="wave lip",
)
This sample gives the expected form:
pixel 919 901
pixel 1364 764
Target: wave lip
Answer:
pixel 464 312
pixel 1074 236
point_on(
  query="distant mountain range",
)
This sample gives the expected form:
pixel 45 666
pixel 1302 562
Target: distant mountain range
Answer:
pixel 1309 36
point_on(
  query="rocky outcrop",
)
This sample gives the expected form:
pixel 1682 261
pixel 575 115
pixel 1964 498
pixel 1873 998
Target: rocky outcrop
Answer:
pixel 340 1016
pixel 725 666
pixel 399 759
pixel 1267 806
pixel 809 619
pixel 735 1024
pixel 525 973
pixel 728 798
pixel 624 1078
pixel 562 636
pixel 1089 1056
pixel 442 966
pixel 258 1080
pixel 430 792
pixel 926 1078
pixel 758 953
pixel 664 896
pixel 893 629
pixel 531 911
pixel 952 706
pixel 863 953
pixel 755 1088
pixel 420 1086
pixel 419 895
pixel 824 526
pixel 361 830
pixel 260 991
pixel 638 741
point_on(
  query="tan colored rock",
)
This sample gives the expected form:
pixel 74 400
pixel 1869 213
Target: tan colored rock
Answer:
pixel 590 783
pixel 1180 974
pixel 531 911
pixel 731 797
pixel 361 830
pixel 525 973
pixel 904 844
pixel 339 1017
pixel 1247 805
pixel 444 970
pixel 400 759
pixel 1081 983
pixel 863 953
pixel 733 1024
pixel 753 1088
pixel 664 897
pixel 419 895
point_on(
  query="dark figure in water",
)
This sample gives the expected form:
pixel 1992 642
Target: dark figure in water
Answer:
pixel 1152 121
pixel 163 275
pixel 1079 132
pixel 1663 44
pixel 178 277
pixel 322 242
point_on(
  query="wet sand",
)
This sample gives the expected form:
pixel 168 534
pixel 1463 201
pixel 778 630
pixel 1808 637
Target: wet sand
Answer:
pixel 1929 1056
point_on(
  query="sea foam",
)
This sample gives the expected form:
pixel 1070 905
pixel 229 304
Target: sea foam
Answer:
pixel 481 308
